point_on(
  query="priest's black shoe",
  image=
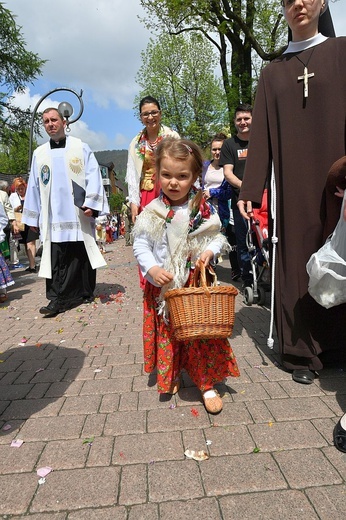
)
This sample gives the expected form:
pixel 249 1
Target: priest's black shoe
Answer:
pixel 339 437
pixel 52 309
pixel 303 376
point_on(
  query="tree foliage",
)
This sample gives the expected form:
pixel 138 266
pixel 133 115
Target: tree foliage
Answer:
pixel 116 201
pixel 18 67
pixel 239 29
pixel 14 152
pixel 179 71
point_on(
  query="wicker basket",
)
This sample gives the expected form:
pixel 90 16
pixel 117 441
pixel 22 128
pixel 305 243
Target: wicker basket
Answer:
pixel 201 312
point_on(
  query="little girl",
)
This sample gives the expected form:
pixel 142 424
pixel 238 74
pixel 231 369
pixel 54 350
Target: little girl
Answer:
pixel 5 275
pixel 172 233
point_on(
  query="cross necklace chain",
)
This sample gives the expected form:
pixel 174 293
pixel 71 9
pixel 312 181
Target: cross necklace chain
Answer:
pixel 306 75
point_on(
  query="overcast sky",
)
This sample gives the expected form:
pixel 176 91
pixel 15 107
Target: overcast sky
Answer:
pixel 94 45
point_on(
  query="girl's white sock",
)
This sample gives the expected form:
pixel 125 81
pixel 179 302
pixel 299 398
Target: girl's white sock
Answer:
pixel 209 393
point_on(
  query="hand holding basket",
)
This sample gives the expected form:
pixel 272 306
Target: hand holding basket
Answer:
pixel 201 311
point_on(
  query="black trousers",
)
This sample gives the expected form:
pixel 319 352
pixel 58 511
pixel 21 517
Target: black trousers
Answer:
pixel 233 255
pixel 73 278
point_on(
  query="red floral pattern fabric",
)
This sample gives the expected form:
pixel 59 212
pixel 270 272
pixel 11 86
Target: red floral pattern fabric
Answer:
pixel 206 361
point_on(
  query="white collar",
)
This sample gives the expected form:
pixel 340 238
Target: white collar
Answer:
pixel 305 44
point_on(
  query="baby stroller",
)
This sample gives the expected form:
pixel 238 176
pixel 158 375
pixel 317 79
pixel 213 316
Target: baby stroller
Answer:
pixel 258 247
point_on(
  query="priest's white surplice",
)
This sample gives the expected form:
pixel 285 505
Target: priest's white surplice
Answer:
pixel 49 201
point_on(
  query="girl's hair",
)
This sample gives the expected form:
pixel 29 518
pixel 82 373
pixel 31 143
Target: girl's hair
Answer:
pixel 147 100
pixel 182 150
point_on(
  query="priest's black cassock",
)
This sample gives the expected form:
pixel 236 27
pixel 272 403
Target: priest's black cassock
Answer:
pixel 301 131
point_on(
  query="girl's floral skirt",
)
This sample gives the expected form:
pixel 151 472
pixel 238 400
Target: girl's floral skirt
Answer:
pixel 206 361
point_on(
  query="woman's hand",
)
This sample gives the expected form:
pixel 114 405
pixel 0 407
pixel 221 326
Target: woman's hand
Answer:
pixel 134 212
pixel 206 193
pixel 15 228
pixel 160 276
pixel 245 208
pixel 339 192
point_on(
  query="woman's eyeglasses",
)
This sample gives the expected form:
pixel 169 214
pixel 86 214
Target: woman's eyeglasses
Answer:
pixel 287 3
pixel 153 113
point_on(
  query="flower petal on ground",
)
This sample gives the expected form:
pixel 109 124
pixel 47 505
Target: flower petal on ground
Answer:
pixel 16 443
pixel 43 472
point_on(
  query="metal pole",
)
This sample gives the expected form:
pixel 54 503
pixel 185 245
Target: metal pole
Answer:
pixel 79 96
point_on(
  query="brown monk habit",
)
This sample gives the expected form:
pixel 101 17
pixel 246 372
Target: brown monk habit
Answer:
pixel 303 136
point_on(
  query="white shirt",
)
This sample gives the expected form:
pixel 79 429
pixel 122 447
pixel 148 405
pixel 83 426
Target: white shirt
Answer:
pixel 213 178
pixel 15 200
pixel 3 222
pixel 150 252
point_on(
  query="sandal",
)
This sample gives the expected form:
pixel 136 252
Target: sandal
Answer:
pixel 212 401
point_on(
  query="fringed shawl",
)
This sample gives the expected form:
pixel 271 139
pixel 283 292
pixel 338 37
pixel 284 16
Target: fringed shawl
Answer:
pixel 186 239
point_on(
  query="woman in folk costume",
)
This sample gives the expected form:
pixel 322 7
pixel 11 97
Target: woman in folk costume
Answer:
pixel 141 169
pixel 109 232
pixel 174 232
pixel 5 276
pixel 298 130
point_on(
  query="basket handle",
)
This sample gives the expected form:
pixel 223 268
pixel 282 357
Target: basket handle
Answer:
pixel 200 275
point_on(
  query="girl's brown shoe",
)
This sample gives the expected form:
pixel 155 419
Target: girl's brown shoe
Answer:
pixel 212 404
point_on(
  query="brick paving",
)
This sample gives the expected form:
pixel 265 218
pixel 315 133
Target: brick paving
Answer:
pixel 73 389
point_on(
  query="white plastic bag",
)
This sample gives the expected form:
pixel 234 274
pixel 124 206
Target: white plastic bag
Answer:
pixel 327 268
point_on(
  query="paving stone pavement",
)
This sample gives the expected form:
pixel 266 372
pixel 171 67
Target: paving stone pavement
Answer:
pixel 74 390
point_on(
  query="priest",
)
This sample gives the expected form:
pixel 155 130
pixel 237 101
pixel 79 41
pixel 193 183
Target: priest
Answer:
pixel 65 192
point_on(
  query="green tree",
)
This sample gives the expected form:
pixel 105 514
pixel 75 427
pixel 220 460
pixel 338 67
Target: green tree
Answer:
pixel 116 201
pixel 241 29
pixel 18 67
pixel 14 152
pixel 179 70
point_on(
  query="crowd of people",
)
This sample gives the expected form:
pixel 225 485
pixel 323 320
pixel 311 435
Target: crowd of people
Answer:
pixel 111 227
pixel 183 211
